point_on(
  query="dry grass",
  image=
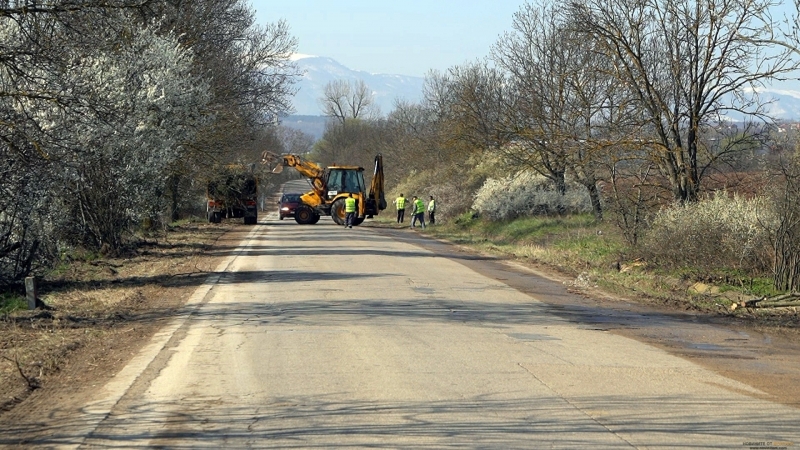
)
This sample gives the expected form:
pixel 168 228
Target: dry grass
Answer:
pixel 101 308
pixel 594 254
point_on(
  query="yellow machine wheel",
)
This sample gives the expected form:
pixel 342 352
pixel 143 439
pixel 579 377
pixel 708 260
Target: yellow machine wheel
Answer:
pixel 337 211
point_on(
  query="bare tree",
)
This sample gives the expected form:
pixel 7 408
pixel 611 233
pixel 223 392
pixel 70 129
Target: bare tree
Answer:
pixel 542 112
pixel 250 76
pixel 476 114
pixel 786 231
pixel 353 144
pixel 686 65
pixel 442 140
pixel 294 141
pixel 343 100
pixel 459 116
pixel 415 140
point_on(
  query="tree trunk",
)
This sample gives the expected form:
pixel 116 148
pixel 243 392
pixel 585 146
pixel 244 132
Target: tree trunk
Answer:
pixel 561 182
pixel 174 187
pixel 787 259
pixel 594 196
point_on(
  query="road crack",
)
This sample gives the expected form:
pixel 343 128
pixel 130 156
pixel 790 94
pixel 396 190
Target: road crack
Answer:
pixel 576 406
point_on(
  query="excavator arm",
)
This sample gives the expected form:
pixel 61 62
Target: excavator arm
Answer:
pixel 376 193
pixel 308 169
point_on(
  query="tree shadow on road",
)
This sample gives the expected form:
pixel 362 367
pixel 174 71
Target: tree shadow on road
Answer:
pixel 495 420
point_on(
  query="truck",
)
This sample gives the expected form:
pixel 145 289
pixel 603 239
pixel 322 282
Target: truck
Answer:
pixel 330 186
pixel 233 193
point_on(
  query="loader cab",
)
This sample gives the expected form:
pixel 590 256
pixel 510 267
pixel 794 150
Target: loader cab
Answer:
pixel 343 180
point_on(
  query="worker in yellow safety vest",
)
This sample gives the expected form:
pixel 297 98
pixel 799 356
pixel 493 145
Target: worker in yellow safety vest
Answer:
pixel 418 207
pixel 401 208
pixel 349 211
pixel 431 212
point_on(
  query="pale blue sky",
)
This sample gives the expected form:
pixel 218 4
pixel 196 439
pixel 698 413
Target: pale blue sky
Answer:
pixel 406 37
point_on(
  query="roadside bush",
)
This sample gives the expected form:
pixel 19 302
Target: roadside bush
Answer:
pixel 721 233
pixel 452 185
pixel 427 183
pixel 528 194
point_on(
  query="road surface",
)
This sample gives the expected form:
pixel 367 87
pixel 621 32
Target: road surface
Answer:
pixel 320 337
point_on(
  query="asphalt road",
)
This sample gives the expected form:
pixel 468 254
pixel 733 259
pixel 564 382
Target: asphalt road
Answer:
pixel 324 337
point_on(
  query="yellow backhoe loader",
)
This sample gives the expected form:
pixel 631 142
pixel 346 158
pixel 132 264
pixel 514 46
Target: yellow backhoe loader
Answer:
pixel 330 186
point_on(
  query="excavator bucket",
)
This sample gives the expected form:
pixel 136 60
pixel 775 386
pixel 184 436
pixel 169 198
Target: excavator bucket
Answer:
pixel 267 157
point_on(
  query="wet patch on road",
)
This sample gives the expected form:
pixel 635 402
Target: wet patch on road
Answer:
pixel 532 337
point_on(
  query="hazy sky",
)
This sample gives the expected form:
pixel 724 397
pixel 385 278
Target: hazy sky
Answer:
pixel 406 37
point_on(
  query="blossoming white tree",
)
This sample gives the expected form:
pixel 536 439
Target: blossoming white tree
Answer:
pixel 99 101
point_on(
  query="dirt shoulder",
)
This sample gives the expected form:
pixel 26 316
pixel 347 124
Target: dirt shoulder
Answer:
pixel 102 313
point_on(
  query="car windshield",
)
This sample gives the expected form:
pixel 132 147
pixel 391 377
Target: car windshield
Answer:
pixel 290 198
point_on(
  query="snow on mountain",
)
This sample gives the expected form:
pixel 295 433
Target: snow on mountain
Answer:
pixel 319 70
pixel 785 103
pixel 781 104
pixel 297 56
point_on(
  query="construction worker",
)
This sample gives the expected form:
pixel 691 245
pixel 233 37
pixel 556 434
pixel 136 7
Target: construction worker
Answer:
pixel 401 208
pixel 431 211
pixel 349 210
pixel 418 209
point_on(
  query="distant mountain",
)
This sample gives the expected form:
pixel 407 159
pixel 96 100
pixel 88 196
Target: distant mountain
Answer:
pixel 318 71
pixel 313 126
pixel 786 105
pixel 782 104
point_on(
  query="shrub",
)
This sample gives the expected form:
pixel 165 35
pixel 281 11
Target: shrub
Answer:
pixel 10 303
pixel 528 194
pixel 452 185
pixel 720 233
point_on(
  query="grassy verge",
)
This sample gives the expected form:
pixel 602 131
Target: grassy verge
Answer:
pixel 596 255
pixel 10 303
pixel 573 244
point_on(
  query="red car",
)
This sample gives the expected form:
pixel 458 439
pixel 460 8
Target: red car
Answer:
pixel 287 205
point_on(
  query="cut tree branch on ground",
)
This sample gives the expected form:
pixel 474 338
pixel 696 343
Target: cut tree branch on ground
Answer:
pixel 32 382
pixel 790 299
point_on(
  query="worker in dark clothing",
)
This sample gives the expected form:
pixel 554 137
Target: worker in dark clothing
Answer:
pixel 400 202
pixel 349 211
pixel 418 209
